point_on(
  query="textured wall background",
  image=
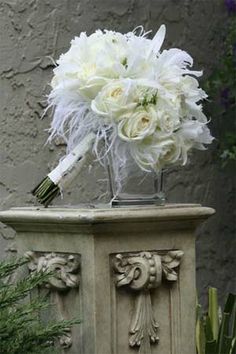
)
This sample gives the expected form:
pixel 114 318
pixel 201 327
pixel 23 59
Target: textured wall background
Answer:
pixel 35 29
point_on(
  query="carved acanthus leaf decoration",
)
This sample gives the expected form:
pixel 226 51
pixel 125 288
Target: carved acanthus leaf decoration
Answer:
pixel 143 272
pixel 143 328
pixel 65 340
pixel 64 267
pixel 170 261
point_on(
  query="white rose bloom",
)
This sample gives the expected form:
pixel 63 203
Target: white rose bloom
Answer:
pixel 138 125
pixel 170 153
pixel 168 121
pixel 153 153
pixel 92 87
pixel 115 98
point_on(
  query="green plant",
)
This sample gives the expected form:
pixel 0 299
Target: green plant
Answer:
pixel 21 331
pixel 216 331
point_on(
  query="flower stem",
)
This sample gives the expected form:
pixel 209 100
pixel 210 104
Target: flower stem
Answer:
pixel 46 191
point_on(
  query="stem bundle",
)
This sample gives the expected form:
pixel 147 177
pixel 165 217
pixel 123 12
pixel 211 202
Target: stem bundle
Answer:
pixel 46 191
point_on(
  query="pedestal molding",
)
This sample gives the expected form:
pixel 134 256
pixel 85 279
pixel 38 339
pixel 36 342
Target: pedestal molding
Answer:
pixel 52 217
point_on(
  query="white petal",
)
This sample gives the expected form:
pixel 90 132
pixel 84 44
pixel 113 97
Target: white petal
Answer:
pixel 157 40
pixel 178 57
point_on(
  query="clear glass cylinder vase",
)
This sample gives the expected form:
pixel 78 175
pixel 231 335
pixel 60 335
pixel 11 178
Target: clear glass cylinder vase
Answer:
pixel 129 185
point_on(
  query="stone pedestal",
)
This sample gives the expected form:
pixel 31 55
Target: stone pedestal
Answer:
pixel 129 274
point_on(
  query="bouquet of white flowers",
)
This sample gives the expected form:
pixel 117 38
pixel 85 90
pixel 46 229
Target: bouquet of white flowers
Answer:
pixel 120 88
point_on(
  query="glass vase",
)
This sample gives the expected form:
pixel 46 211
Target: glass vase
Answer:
pixel 129 185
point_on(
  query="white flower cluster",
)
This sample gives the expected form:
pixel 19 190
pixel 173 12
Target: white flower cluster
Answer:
pixel 122 82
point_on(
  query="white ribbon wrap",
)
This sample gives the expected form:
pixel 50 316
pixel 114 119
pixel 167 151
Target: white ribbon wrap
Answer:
pixel 70 166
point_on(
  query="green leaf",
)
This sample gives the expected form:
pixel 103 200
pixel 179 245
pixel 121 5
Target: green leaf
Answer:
pixel 227 328
pixel 211 347
pixel 8 267
pixel 213 312
pixel 208 330
pixel 223 332
pixel 200 334
pixel 233 346
pixel 229 305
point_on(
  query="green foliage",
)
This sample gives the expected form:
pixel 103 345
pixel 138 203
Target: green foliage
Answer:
pixel 228 151
pixel 216 333
pixel 225 73
pixel 221 88
pixel 21 331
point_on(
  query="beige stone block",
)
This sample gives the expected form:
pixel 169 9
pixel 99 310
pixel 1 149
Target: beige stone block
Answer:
pixel 128 273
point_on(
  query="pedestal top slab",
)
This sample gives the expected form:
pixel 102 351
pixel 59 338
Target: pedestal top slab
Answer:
pixel 101 214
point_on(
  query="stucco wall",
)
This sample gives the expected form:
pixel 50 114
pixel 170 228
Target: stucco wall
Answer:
pixel 35 29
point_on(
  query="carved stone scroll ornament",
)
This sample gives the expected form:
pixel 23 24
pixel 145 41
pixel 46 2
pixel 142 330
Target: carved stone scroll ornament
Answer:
pixel 143 272
pixel 65 268
pixel 65 276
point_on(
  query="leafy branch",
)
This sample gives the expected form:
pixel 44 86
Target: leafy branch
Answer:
pixel 21 330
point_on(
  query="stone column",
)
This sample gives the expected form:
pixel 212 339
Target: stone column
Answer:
pixel 129 274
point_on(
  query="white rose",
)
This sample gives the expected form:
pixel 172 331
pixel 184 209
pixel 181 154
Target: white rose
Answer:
pixel 115 98
pixel 167 121
pixel 92 87
pixel 138 125
pixel 158 151
pixel 170 153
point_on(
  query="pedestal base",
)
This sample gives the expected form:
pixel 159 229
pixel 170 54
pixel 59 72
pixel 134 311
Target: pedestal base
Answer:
pixel 129 273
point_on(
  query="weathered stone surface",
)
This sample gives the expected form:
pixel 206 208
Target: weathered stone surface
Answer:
pixel 132 269
pixel 31 32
